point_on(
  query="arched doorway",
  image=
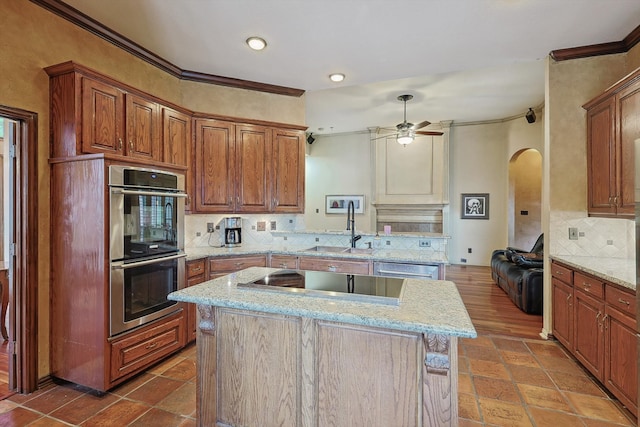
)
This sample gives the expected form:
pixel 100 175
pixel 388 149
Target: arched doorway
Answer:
pixel 525 198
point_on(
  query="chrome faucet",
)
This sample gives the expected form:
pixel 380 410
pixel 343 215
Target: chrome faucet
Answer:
pixel 351 223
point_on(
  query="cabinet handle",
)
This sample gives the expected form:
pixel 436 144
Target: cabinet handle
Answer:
pixel 238 264
pixel 568 297
pixel 604 321
pixel 598 315
pixel 332 268
pixel 621 301
pixel 119 143
pixel 131 145
pixel 197 269
pixel 151 346
pixel 586 285
pixel 283 265
pixel 615 200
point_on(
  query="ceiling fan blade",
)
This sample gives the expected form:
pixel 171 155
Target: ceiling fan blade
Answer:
pixel 389 135
pixel 428 132
pixel 421 125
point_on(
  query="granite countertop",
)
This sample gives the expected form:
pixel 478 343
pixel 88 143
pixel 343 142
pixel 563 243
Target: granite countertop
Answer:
pixel 425 306
pixel 414 257
pixel 621 271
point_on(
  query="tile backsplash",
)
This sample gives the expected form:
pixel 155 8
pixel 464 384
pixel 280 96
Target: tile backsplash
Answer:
pixel 195 224
pixel 599 237
pixel 290 231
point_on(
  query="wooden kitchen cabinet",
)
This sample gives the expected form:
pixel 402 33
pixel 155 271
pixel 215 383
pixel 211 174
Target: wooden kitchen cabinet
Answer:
pixel 133 352
pixel 114 121
pixel 596 321
pixel 176 145
pixel 94 114
pixel 284 261
pixel 621 356
pixel 287 180
pixel 196 273
pixel 588 336
pixel 562 311
pixel 219 266
pixel 335 265
pixel 253 163
pixel 248 168
pixel 612 127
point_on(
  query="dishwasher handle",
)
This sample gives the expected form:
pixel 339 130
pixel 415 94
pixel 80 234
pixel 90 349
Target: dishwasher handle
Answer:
pixel 404 273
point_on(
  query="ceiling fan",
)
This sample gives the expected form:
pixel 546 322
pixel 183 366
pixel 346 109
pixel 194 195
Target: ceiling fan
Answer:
pixel 405 131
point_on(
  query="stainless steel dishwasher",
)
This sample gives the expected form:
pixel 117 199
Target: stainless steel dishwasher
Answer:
pixel 396 269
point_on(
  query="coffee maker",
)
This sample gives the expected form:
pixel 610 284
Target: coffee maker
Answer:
pixel 232 231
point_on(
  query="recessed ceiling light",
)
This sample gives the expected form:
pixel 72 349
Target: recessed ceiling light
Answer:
pixel 256 43
pixel 336 77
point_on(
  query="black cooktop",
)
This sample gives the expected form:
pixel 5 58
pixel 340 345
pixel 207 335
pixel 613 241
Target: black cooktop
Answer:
pixel 382 290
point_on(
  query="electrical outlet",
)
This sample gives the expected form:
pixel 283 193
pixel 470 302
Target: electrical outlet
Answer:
pixel 210 227
pixel 424 243
pixel 573 233
pixel 273 225
pixel 463 260
pixel 469 250
pixel 262 225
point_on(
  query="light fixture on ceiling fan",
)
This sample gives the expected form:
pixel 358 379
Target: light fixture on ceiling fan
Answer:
pixel 407 131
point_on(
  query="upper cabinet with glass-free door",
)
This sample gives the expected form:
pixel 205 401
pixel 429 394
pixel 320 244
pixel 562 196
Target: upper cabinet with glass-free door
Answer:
pixel 613 124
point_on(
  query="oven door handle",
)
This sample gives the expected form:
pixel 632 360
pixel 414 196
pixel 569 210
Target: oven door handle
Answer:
pixel 148 193
pixel 123 266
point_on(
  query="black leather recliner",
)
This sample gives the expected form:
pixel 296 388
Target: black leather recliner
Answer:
pixel 519 274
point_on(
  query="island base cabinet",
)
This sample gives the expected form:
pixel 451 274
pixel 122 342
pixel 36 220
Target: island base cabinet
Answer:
pixel 262 369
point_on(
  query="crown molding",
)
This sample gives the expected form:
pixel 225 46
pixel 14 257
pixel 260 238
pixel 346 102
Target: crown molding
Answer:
pixel 621 46
pixel 83 21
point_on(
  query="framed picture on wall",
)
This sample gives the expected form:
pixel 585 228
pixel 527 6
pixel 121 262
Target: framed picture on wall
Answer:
pixel 474 206
pixel 339 204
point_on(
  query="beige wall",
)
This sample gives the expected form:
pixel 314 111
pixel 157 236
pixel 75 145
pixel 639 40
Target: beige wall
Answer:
pixel 525 189
pixel 33 38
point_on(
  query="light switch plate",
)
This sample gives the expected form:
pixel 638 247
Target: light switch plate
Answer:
pixel 573 233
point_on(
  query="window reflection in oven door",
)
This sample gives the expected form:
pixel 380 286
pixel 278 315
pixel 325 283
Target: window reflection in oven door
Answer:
pixel 139 290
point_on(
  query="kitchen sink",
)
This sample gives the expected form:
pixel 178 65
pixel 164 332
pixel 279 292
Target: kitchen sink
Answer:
pixel 327 249
pixel 358 250
pixel 339 249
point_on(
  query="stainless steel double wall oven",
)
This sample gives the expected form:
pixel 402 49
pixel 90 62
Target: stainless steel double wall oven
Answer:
pixel 146 244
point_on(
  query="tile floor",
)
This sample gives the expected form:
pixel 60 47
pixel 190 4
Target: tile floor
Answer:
pixel 503 381
pixel 515 382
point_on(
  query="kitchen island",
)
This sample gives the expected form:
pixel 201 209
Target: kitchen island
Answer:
pixel 288 358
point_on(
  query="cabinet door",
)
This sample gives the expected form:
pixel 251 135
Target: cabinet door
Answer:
pixel 562 313
pixel 287 181
pixel 102 118
pixel 253 157
pixel 629 112
pixel 143 128
pixel 215 166
pixel 621 361
pixel 588 337
pixel 176 145
pixel 196 273
pixel 601 155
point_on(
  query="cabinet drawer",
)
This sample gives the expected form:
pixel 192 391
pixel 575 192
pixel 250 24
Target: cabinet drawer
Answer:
pixel 284 261
pixel 220 265
pixel 589 285
pixel 623 301
pixel 140 349
pixel 334 265
pixel 562 273
pixel 196 268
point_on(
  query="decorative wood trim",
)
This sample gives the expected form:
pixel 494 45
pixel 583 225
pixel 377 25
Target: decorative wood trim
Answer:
pixel 207 319
pixel 437 354
pixel 83 21
pixel 24 320
pixel 621 46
